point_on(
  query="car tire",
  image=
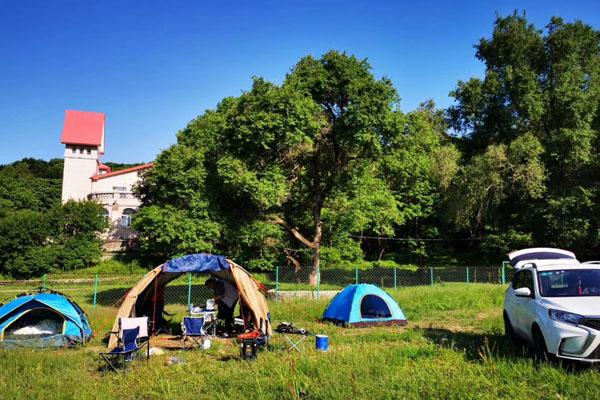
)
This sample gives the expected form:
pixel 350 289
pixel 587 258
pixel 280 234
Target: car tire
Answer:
pixel 508 329
pixel 539 343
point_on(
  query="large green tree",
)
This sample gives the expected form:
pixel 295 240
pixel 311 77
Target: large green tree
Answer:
pixel 530 134
pixel 288 171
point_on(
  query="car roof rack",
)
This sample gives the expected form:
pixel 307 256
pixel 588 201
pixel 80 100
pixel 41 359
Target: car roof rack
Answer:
pixel 591 262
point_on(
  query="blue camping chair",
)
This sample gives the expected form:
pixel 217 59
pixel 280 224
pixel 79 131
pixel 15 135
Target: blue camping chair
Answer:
pixel 193 329
pixel 126 350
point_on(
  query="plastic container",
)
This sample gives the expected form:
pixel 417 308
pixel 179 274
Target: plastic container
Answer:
pixel 210 304
pixel 322 342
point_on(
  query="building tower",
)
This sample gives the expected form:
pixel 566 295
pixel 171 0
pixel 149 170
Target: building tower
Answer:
pixel 83 137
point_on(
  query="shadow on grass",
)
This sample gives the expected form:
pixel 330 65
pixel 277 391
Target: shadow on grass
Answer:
pixel 481 347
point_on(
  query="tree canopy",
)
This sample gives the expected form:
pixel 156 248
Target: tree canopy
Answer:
pixel 529 131
pixel 293 171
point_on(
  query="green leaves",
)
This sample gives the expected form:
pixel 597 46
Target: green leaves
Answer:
pixel 62 238
pixel 530 134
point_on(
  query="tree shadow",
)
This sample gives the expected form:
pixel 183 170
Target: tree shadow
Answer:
pixel 481 347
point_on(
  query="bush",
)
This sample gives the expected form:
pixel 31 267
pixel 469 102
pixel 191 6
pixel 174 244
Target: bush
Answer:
pixel 36 242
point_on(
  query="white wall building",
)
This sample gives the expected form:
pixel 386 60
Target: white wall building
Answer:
pixel 85 177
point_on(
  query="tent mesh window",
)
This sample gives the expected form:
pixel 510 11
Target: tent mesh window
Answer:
pixel 372 306
pixel 36 323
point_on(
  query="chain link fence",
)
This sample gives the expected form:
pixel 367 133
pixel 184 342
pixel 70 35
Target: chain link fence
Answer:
pixel 109 290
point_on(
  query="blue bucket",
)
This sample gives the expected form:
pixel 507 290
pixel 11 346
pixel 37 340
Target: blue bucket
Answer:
pixel 322 342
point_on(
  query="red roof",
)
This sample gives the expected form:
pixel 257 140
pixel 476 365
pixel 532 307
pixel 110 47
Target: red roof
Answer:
pixel 123 171
pixel 104 167
pixel 84 127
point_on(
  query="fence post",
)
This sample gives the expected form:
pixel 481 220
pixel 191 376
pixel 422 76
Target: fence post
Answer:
pixel 395 280
pixel 189 288
pixel 431 275
pixel 44 281
pixel 467 275
pixel 356 275
pixel 277 284
pixel 318 283
pixel 503 272
pixel 95 289
pixel 475 273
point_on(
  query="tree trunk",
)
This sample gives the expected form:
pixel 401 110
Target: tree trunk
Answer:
pixel 316 258
pixel 314 245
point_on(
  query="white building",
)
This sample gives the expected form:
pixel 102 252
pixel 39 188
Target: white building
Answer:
pixel 85 177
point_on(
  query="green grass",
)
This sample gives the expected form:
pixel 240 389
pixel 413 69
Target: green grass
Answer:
pixel 453 348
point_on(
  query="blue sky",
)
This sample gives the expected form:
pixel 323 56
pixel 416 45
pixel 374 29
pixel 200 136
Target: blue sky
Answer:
pixel 153 66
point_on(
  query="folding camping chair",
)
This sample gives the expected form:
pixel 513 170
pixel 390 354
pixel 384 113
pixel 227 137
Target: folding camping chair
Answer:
pixel 192 329
pixel 134 322
pixel 128 346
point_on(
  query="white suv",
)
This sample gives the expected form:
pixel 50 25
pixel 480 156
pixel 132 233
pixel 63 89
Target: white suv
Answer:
pixel 553 302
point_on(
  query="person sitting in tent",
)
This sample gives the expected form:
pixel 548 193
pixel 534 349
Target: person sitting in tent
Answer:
pixel 226 297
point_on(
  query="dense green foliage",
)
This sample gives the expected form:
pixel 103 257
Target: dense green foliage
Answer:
pixel 530 137
pixel 293 171
pixel 301 171
pixel 37 233
pixel 452 348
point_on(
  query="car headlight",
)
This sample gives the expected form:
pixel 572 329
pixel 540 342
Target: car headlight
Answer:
pixel 566 317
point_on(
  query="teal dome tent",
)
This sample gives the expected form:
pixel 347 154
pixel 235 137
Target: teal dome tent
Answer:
pixel 364 305
pixel 44 319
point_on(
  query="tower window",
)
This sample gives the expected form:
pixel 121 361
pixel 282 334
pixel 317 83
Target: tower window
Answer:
pixel 89 151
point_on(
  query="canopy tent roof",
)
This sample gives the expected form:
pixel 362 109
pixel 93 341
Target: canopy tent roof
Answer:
pixel 219 266
pixel 76 326
pixel 364 305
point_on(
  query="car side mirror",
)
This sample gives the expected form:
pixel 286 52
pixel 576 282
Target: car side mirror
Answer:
pixel 523 292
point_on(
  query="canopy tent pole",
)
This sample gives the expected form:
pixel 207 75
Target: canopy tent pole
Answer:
pixel 154 306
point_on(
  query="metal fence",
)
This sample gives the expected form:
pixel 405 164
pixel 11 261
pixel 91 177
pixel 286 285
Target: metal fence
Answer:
pixel 108 290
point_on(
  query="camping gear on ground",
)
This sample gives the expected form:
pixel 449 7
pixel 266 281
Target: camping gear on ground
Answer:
pixel 322 342
pixel 293 336
pixel 43 319
pixel 364 305
pixel 193 330
pixel 250 342
pixel 144 293
pixel 209 317
pixel 128 346
pixel 248 349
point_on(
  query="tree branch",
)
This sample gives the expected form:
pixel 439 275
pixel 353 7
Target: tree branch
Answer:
pixel 294 232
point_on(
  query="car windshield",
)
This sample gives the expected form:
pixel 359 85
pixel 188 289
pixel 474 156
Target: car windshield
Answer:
pixel 570 283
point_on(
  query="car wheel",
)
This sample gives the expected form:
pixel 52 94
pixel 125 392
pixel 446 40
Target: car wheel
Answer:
pixel 508 329
pixel 539 343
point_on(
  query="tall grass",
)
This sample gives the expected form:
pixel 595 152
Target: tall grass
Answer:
pixel 452 348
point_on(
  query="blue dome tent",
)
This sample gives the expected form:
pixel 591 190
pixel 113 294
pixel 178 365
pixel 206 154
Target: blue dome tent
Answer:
pixel 364 305
pixel 44 319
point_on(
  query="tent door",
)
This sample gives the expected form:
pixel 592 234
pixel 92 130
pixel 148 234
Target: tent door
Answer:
pixel 35 323
pixel 373 306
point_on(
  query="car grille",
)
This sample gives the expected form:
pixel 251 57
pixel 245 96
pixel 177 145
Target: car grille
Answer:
pixel 593 323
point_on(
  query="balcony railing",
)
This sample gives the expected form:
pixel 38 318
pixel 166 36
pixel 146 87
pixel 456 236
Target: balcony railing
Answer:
pixel 109 196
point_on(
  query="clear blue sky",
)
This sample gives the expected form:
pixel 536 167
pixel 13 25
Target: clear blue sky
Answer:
pixel 153 66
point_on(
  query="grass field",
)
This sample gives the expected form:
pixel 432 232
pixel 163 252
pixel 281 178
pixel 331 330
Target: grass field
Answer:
pixel 453 348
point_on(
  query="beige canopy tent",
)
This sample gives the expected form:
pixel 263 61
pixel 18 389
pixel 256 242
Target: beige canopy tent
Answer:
pixel 144 292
